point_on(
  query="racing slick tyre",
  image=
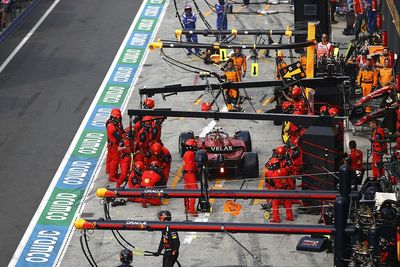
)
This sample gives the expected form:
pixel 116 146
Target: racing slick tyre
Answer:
pixel 245 137
pixel 183 137
pixel 249 165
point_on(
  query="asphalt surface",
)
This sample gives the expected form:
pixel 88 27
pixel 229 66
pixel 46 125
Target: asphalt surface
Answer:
pixel 205 249
pixel 45 92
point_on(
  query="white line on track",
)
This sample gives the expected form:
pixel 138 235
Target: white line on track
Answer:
pixel 27 36
pixel 203 217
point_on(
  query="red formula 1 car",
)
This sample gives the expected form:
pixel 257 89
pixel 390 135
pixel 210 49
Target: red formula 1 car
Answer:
pixel 226 154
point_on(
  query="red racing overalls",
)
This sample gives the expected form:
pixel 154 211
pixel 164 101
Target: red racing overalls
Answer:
pixel 190 179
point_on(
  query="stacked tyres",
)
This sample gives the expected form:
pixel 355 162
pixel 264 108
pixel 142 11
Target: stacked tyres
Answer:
pixel 183 137
pixel 245 137
pixel 249 165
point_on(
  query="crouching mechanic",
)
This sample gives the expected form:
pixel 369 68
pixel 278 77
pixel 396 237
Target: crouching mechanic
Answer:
pixel 154 177
pixel 161 154
pixel 135 177
pixel 169 241
pixel 189 172
pixel 276 178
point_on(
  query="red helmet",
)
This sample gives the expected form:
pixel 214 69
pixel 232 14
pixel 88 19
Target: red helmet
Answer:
pixel 139 167
pixel 147 121
pixel 322 110
pixel 148 103
pixel 296 92
pixel 116 113
pixel 273 164
pixel 156 149
pixel 280 150
pixel 286 106
pixel 333 112
pixel 297 112
pixel 191 144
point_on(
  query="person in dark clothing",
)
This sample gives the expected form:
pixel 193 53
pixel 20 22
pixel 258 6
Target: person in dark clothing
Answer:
pixel 169 241
pixel 125 256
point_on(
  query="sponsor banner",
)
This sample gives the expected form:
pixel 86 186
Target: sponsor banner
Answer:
pixel 90 145
pixel 61 207
pixel 123 74
pixel 43 246
pixel 46 238
pixel 139 40
pixel 77 174
pixel 131 56
pixel 113 96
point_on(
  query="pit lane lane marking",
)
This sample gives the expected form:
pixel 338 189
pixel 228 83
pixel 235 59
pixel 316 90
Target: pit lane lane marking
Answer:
pixel 266 7
pixel 28 36
pixel 260 187
pixel 198 100
pixel 266 101
pixel 203 217
pixel 263 98
pixel 209 12
pixel 176 180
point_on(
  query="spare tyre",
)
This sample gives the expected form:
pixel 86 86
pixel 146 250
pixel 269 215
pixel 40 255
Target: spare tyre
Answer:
pixel 249 165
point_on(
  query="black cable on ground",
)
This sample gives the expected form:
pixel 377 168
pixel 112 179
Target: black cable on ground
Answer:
pixel 203 18
pixel 177 14
pixel 108 217
pixel 84 251
pixel 177 62
pixel 88 249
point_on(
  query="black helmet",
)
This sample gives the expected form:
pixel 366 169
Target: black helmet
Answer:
pixel 164 215
pixel 295 152
pixel 364 52
pixel 125 256
pixel 188 9
pixel 273 164
pixel 191 145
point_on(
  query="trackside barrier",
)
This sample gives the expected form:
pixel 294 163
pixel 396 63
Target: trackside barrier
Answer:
pixel 18 20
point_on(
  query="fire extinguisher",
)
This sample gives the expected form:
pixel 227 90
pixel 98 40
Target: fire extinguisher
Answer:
pixel 384 38
pixel 379 21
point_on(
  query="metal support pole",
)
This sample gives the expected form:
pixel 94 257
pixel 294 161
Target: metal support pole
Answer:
pixel 341 207
pixel 345 180
pixel 373 242
pixel 204 202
